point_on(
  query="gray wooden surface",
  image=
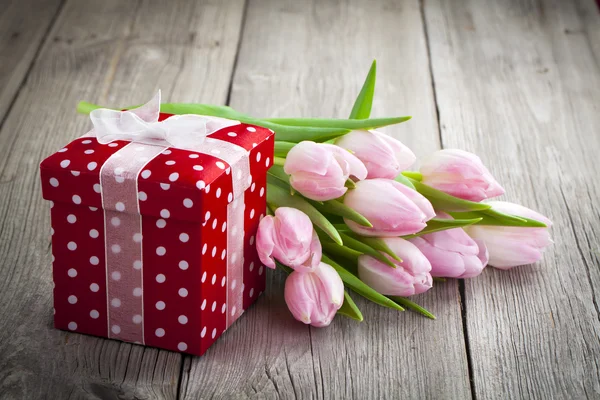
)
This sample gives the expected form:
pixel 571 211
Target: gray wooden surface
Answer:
pixel 516 81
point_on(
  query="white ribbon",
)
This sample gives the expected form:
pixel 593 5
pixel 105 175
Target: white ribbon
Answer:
pixel 141 125
pixel 187 132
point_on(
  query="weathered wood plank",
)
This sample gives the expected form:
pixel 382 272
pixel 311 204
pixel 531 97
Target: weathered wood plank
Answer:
pixel 309 58
pixel 23 24
pixel 519 83
pixel 111 52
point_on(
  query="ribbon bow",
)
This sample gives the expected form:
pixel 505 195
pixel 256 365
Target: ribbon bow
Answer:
pixel 141 125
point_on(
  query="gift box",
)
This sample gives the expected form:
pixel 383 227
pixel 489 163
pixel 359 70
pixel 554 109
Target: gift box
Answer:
pixel 153 226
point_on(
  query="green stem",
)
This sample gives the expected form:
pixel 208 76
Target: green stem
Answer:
pixel 413 175
pixel 403 301
pixel 279 161
pixel 85 108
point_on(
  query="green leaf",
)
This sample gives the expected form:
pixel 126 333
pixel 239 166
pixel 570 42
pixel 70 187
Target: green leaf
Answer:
pixel 403 301
pixel 273 180
pixel 283 148
pixel 338 208
pixel 278 172
pixel 279 197
pixel 83 107
pixel 341 251
pixel 349 308
pixel 360 287
pixel 297 134
pixel 364 101
pixel 338 123
pixel 496 218
pixel 365 249
pixel 376 243
pixel 444 201
pixel 436 225
pixel 202 109
pixel 405 181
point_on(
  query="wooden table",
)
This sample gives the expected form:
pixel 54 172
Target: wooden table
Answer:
pixel 516 81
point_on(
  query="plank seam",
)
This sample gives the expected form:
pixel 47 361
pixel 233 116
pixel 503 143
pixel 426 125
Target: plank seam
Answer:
pixel 461 283
pixel 581 253
pixel 182 371
pixel 430 65
pixel 237 51
pixel 34 60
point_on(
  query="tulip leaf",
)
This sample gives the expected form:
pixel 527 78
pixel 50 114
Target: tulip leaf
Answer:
pixel 349 308
pixel 360 287
pixel 364 101
pixel 273 180
pixel 283 148
pixel 364 248
pixel 338 208
pixel 496 218
pixel 404 302
pixel 83 107
pixel 279 197
pixel 405 181
pixel 338 123
pixel 376 243
pixel 278 172
pixel 341 251
pixel 436 225
pixel 443 201
pixel 297 134
pixel 203 109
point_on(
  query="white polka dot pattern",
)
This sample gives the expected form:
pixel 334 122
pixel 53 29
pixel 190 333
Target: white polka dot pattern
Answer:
pixel 177 264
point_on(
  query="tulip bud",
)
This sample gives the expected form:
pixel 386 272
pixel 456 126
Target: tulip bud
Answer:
pixel 460 174
pixel 411 276
pixel 392 208
pixel 383 155
pixel 452 253
pixel 511 246
pixel 290 238
pixel 314 296
pixel 319 171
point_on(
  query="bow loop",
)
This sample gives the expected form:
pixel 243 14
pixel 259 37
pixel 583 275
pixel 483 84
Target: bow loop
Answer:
pixel 141 125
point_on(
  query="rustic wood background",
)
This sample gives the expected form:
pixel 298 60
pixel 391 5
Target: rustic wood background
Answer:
pixel 516 81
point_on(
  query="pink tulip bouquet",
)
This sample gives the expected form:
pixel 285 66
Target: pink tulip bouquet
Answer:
pixel 347 215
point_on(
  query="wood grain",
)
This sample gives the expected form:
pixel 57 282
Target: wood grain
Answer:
pixel 23 25
pixel 309 58
pixel 110 52
pixel 518 82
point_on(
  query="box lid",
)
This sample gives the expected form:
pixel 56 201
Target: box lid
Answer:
pixel 73 174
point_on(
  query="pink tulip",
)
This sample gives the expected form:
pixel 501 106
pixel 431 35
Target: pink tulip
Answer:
pixel 290 238
pixel 511 246
pixel 314 297
pixel 383 155
pixel 319 171
pixel 411 276
pixel 392 208
pixel 452 253
pixel 461 174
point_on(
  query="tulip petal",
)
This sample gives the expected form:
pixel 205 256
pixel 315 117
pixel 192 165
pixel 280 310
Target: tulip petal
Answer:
pixel 264 241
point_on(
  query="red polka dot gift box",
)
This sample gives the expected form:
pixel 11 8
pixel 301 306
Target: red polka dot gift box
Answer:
pixel 153 226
